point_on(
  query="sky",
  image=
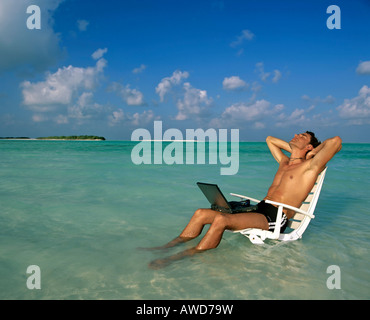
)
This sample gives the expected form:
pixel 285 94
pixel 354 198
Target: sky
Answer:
pixel 107 68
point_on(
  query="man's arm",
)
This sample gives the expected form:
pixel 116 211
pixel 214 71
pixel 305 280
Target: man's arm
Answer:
pixel 276 146
pixel 324 152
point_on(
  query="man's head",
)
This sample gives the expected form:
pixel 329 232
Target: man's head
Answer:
pixel 314 141
pixel 306 141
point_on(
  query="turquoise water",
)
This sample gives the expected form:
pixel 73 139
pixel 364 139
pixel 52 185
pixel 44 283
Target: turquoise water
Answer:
pixel 79 210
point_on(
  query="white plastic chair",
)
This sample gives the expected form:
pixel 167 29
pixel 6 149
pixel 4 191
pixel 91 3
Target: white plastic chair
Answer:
pixel 297 224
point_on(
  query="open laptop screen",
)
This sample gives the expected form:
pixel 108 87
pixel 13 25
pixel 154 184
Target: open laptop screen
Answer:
pixel 213 194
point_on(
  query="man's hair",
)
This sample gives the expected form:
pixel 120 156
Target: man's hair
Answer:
pixel 314 141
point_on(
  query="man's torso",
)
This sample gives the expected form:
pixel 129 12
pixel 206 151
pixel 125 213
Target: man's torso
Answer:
pixel 291 184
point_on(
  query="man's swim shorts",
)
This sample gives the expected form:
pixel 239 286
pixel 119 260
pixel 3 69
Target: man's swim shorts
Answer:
pixel 270 212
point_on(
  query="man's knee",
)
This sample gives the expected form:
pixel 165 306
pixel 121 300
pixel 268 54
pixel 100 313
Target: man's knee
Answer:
pixel 200 213
pixel 220 222
pixel 204 212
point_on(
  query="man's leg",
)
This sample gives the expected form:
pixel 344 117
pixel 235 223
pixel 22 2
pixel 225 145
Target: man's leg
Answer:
pixel 200 218
pixel 221 222
pixel 194 228
pixel 233 222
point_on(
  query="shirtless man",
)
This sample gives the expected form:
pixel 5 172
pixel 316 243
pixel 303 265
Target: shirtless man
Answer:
pixel 292 183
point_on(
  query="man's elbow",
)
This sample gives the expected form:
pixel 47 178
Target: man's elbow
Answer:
pixel 270 139
pixel 337 141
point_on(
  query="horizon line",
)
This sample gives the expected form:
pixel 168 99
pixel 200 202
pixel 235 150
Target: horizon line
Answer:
pixel 147 140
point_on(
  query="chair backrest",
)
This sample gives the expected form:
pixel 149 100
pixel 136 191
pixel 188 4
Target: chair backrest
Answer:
pixel 300 220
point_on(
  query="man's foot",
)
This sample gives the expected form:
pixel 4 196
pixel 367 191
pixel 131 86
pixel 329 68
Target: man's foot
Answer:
pixel 161 263
pixel 171 244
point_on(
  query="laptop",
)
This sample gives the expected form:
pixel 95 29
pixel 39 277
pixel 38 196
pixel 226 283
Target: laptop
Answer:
pixel 218 201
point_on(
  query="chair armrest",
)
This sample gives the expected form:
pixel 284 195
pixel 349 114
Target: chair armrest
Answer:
pixel 244 197
pixel 291 208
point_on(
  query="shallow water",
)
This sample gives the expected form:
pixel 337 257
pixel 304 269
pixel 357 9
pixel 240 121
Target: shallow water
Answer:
pixel 80 209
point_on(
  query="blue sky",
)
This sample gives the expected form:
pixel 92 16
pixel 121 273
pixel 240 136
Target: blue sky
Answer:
pixel 110 67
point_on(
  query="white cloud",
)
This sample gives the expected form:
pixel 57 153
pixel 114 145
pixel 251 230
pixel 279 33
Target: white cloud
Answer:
pixel 60 87
pixel 23 49
pixel 61 119
pixel 101 64
pixel 139 69
pixel 363 68
pixel 42 117
pixel 118 117
pixel 194 104
pixel 296 117
pixel 259 125
pixel 167 83
pixel 246 35
pixel 328 100
pixel 66 95
pixel 247 114
pixel 86 108
pixel 132 97
pixel 357 109
pixel 141 119
pixel 277 76
pixel 99 53
pixel 301 117
pixel 264 76
pixel 234 83
pixel 39 118
pixel 82 25
pixel 310 108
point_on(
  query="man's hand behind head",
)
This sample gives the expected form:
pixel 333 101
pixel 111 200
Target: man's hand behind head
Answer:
pixel 310 154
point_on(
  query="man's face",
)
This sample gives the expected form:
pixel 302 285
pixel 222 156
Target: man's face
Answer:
pixel 301 140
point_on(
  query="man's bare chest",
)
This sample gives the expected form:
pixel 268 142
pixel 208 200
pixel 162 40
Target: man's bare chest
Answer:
pixel 290 173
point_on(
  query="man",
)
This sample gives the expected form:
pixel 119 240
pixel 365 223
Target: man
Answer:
pixel 293 181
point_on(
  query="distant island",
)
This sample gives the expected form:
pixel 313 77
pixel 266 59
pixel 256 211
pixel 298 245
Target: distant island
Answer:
pixel 72 138
pixel 84 137
pixel 15 138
